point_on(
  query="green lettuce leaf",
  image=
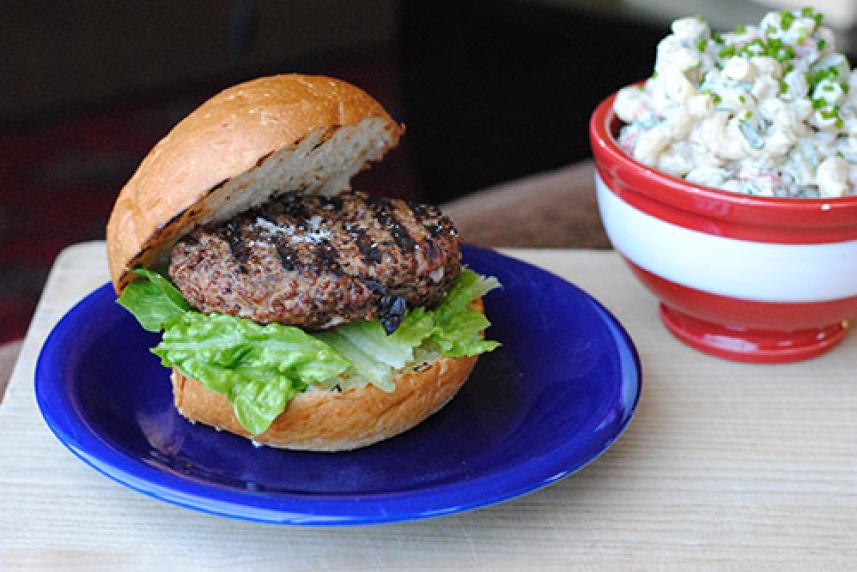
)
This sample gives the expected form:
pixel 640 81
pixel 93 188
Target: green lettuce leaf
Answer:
pixel 457 329
pixel 452 327
pixel 261 367
pixel 258 402
pixel 154 301
pixel 373 354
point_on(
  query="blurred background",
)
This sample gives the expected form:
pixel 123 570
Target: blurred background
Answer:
pixel 491 90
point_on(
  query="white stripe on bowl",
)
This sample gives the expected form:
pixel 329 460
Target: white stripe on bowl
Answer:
pixel 759 271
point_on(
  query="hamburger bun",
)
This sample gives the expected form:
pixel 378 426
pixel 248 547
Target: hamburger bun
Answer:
pixel 338 420
pixel 333 420
pixel 238 150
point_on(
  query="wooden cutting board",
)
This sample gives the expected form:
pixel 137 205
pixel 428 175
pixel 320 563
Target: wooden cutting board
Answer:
pixel 724 463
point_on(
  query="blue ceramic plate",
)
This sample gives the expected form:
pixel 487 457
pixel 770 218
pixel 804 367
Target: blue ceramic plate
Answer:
pixel 557 394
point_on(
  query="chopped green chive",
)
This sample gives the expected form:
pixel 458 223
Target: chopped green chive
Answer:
pixel 714 97
pixel 821 44
pixel 786 19
pixel 817 76
pixel 781 53
pixel 773 48
pixel 830 112
pixel 701 44
pixel 727 52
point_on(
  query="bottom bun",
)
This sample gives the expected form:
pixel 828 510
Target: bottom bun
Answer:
pixel 334 420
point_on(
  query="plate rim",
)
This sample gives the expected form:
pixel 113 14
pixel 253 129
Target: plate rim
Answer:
pixel 91 447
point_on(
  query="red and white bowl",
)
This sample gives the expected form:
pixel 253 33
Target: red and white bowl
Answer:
pixel 745 278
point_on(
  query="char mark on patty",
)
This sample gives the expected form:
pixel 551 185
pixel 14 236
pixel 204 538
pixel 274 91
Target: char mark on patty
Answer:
pixel 316 262
pixel 385 213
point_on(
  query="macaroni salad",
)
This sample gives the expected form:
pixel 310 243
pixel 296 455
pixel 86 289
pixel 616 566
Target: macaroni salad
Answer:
pixel 767 111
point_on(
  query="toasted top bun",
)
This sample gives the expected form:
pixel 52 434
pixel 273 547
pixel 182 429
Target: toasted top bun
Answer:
pixel 236 151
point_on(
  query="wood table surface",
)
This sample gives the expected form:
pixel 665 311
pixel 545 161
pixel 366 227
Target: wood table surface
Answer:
pixel 751 466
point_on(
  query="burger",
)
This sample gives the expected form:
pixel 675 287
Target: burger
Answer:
pixel 294 311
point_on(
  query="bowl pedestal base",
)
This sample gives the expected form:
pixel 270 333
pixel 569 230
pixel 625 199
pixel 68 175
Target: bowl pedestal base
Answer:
pixel 753 346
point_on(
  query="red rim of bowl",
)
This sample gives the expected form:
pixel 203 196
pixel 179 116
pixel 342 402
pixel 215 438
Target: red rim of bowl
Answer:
pixel 613 164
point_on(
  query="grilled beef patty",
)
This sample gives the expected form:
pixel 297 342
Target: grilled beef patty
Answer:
pixel 316 262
